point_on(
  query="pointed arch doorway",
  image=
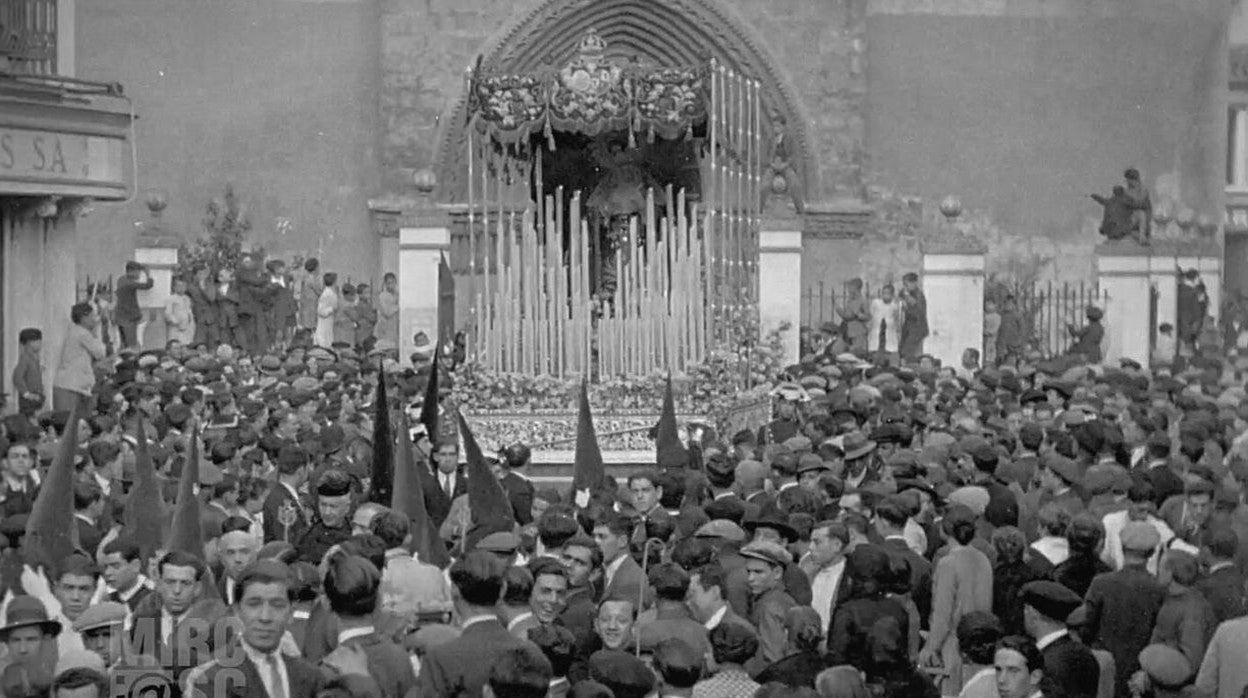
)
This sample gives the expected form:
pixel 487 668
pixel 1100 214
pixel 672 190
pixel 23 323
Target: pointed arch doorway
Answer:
pixel 613 196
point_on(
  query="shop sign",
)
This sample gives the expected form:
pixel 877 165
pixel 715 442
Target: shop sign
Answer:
pixel 62 158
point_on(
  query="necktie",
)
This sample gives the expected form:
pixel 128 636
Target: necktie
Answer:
pixel 447 486
pixel 276 688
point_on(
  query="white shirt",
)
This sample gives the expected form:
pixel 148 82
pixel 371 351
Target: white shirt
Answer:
pixel 473 620
pixel 823 590
pixel 352 633
pixel 264 668
pixel 519 619
pixel 105 484
pixel 1051 638
pixel 1054 548
pixel 714 621
pixel 447 480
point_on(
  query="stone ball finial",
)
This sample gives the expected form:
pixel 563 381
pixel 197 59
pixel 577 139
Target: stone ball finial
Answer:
pixel 1206 224
pixel 425 180
pixel 1186 217
pixel 157 201
pixel 951 207
pixel 1163 213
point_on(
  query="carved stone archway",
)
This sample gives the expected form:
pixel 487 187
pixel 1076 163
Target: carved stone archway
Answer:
pixel 676 33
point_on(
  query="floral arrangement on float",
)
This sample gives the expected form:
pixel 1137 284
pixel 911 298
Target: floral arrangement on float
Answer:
pixel 729 390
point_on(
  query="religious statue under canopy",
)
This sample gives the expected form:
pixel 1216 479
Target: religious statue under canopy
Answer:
pixel 619 196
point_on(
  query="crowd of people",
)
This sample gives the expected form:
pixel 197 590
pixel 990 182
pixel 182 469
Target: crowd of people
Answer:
pixel 264 524
pixel 256 305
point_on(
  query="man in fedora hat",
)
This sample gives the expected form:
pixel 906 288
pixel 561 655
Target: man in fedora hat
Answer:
pixel 27 630
pixel 858 450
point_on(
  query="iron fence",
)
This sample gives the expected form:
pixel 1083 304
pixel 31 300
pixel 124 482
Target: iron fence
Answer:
pixel 1047 311
pixel 822 302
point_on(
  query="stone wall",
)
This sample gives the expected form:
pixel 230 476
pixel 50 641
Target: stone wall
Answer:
pixel 1023 109
pixel 278 97
pixel 1020 107
pixel 818 47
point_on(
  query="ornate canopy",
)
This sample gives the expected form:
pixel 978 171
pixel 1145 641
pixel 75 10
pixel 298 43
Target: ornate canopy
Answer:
pixel 590 95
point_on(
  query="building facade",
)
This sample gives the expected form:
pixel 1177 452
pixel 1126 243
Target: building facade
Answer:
pixel 64 149
pixel 341 122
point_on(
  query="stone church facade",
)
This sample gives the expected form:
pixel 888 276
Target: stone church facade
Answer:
pixel 340 121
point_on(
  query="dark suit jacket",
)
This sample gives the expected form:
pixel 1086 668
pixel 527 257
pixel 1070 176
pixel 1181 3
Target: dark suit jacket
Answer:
pixel 193 641
pixel 273 529
pixel 520 493
pixel 436 502
pixel 462 666
pixel 1070 670
pixel 852 621
pixel 1122 607
pixel 388 665
pixel 253 291
pixel 89 536
pixel 920 574
pixel 1225 591
pixel 227 679
pixel 627 583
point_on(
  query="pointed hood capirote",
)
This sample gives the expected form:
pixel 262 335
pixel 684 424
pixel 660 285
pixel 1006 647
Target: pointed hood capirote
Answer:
pixel 588 472
pixel 671 451
pixel 50 533
pixel 381 483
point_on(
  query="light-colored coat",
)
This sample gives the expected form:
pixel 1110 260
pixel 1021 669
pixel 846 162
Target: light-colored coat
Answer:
pixel 326 306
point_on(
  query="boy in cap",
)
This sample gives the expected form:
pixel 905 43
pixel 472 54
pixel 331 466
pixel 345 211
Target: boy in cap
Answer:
pixel 765 563
pixel 101 627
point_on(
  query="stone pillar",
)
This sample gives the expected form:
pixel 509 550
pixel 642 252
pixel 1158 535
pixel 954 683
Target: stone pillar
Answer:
pixel 1163 282
pixel 160 256
pixel 1124 276
pixel 40 266
pixel 420 249
pixel 780 284
pixel 953 282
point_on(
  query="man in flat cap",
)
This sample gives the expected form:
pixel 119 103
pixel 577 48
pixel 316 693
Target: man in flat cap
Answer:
pixel 1069 667
pixel 765 563
pixel 331 526
pixel 1122 606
